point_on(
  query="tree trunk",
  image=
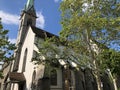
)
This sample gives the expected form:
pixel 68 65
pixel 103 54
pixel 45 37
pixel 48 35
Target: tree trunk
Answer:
pixel 97 76
pixel 115 84
pixel 113 80
pixel 98 80
pixel 94 62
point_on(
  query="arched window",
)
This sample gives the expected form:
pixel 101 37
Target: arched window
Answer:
pixel 29 22
pixel 33 85
pixel 53 77
pixel 24 60
pixel 34 76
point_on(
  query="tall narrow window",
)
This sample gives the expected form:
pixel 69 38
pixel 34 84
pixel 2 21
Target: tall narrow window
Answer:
pixel 20 25
pixel 33 85
pixel 34 77
pixel 29 22
pixel 24 60
pixel 53 77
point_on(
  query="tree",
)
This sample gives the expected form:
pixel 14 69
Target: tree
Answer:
pixel 6 48
pixel 87 24
pixel 86 21
pixel 51 52
pixel 111 63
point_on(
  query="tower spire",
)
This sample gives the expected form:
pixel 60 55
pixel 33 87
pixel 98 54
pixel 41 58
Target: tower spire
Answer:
pixel 29 5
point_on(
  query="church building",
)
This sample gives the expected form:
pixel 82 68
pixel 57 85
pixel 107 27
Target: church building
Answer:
pixel 23 74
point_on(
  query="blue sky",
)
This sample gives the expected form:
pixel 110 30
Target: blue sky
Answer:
pixel 47 11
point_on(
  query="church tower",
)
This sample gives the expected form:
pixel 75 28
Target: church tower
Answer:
pixel 27 18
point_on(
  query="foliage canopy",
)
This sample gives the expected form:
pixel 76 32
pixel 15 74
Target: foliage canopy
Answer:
pixel 6 47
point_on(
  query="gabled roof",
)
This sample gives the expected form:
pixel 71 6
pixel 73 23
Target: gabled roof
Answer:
pixel 42 33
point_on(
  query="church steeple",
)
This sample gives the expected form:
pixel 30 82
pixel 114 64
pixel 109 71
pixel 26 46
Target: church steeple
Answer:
pixel 29 8
pixel 29 5
pixel 27 19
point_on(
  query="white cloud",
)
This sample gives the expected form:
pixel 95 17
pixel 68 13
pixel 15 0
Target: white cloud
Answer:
pixel 13 19
pixel 40 20
pixel 12 40
pixel 8 18
pixel 56 1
